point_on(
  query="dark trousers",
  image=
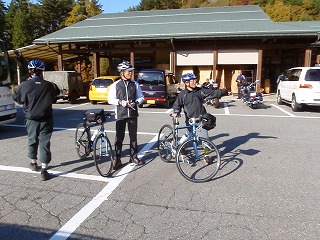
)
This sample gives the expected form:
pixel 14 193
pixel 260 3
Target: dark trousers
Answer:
pixel 120 132
pixel 39 135
pixel 239 91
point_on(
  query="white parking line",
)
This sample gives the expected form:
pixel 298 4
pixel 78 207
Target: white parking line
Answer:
pixel 56 173
pixel 169 110
pixel 66 230
pixel 282 110
pixel 226 108
pixel 73 129
pixel 74 106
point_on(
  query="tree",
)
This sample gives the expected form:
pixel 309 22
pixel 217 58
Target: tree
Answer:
pixel 53 14
pixel 3 10
pixel 146 5
pixel 315 10
pixel 82 10
pixel 19 22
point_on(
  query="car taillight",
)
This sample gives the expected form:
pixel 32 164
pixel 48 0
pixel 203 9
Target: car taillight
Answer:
pixel 305 86
pixel 90 88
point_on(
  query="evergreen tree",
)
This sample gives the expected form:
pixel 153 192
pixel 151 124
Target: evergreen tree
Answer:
pixel 19 22
pixel 3 10
pixel 53 14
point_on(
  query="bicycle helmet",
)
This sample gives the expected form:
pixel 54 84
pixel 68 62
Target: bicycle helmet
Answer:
pixel 187 77
pixel 125 65
pixel 36 66
pixel 192 76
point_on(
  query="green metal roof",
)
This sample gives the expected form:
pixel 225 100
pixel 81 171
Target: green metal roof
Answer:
pixel 201 23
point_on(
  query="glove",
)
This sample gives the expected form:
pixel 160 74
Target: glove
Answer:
pixel 123 103
pixel 224 92
pixel 175 114
pixel 133 104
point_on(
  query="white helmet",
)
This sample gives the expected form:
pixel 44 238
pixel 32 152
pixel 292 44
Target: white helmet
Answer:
pixel 125 65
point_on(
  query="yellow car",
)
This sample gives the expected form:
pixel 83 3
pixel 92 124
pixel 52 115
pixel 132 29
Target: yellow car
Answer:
pixel 99 88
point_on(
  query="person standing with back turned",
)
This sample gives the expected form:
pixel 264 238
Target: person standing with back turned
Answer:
pixel 37 95
pixel 126 94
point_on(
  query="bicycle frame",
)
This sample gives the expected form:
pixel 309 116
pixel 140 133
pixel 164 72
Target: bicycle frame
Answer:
pixel 196 157
pixel 100 131
pixel 192 129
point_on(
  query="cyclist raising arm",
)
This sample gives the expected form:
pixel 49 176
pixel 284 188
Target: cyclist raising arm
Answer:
pixel 191 99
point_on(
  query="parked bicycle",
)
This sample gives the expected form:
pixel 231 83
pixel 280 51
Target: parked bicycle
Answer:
pixel 197 159
pixel 97 143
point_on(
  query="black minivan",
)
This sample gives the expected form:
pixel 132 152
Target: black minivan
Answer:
pixel 158 87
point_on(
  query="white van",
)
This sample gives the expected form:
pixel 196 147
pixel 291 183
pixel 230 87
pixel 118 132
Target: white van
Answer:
pixel 300 86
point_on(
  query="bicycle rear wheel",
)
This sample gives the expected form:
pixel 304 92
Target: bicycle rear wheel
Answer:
pixel 198 161
pixel 82 141
pixel 102 155
pixel 165 141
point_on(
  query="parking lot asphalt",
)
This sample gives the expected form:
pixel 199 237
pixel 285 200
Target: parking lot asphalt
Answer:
pixel 267 187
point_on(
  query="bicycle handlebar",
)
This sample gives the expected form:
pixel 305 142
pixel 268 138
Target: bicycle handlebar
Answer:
pixel 193 121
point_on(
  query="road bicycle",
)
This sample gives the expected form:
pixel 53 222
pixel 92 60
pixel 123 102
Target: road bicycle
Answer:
pixel 197 159
pixel 97 143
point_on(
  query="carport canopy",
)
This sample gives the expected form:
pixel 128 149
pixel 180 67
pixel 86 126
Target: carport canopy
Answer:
pixel 41 52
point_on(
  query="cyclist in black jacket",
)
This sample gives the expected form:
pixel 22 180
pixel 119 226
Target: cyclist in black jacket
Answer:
pixel 126 94
pixel 192 98
pixel 37 95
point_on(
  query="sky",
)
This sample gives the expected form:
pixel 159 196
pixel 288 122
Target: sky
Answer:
pixel 114 6
pixel 108 6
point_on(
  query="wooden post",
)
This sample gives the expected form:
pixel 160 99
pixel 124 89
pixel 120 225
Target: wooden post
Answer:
pixel 132 61
pixel 96 65
pixel 259 69
pixel 214 67
pixel 307 57
pixel 60 59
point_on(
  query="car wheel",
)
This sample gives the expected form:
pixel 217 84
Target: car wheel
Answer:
pixel 93 102
pixel 279 99
pixel 294 105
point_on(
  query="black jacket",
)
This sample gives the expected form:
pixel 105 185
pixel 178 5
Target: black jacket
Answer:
pixel 36 95
pixel 192 101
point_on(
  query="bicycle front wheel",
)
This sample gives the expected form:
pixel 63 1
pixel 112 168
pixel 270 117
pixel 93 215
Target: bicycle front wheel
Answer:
pixel 165 141
pixel 102 155
pixel 82 141
pixel 198 160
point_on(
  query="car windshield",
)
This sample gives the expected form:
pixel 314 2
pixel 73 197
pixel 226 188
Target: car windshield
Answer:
pixel 102 82
pixel 151 78
pixel 313 75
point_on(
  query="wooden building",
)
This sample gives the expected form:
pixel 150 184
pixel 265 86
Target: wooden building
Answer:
pixel 211 42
